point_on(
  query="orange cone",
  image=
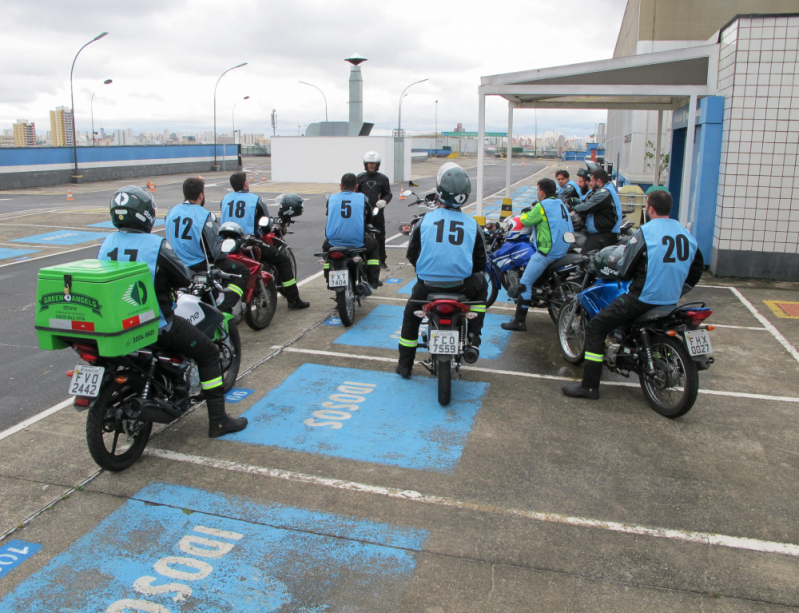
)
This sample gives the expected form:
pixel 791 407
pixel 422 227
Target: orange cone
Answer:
pixel 250 177
pixel 522 162
pixel 263 177
pixel 151 186
pixel 402 196
pixel 69 194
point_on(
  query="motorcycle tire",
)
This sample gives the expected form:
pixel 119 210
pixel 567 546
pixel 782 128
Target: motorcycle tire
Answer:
pixel 560 296
pixel 231 373
pixel 259 313
pixel 444 371
pixel 672 351
pixel 100 423
pixel 572 352
pixel 345 303
pixel 493 287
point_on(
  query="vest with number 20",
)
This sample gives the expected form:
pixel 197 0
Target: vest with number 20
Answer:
pixel 447 239
pixel 670 251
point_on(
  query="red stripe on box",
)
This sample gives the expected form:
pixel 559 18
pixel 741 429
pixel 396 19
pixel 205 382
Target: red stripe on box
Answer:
pixel 83 326
pixel 130 322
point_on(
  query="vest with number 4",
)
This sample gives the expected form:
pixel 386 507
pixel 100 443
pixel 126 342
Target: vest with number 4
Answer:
pixel 670 251
pixel 239 207
pixel 133 247
pixel 559 223
pixel 184 230
pixel 447 240
pixel 345 219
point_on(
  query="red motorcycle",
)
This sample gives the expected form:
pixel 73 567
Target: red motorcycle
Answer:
pixel 272 233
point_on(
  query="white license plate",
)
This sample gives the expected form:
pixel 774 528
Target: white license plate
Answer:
pixel 86 381
pixel 698 342
pixel 338 278
pixel 444 342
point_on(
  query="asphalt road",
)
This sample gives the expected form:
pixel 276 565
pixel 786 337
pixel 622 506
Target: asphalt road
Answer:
pixel 33 380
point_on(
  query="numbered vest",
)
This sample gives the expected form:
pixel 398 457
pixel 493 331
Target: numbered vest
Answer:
pixel 133 247
pixel 239 207
pixel 345 219
pixel 447 239
pixel 184 230
pixel 670 251
pixel 559 223
pixel 617 202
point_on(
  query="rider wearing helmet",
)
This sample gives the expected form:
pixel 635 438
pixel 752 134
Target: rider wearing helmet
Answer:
pixel 568 190
pixel 377 189
pixel 552 221
pixel 602 212
pixel 133 214
pixel 660 259
pixel 193 233
pixel 448 250
pixel 247 209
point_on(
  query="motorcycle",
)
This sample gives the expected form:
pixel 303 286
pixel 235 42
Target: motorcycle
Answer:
pixel 273 233
pixel 125 395
pixel 667 346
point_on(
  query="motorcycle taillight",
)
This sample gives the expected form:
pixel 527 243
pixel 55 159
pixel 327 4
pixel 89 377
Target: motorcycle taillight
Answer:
pixel 697 317
pixel 445 309
pixel 87 352
pixel 337 255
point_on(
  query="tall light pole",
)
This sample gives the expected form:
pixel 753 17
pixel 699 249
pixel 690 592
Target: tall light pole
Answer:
pixel 436 125
pixel 399 119
pixel 274 122
pixel 321 92
pixel 76 178
pixel 234 118
pixel 216 166
pixel 91 106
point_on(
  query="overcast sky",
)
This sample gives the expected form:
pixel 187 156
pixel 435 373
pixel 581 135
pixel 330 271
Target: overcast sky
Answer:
pixel 166 55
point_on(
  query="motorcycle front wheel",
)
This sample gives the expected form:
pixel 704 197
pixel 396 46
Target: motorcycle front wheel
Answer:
pixel 444 371
pixel 345 302
pixel 493 284
pixel 673 389
pixel 572 337
pixel 230 359
pixel 259 313
pixel 560 296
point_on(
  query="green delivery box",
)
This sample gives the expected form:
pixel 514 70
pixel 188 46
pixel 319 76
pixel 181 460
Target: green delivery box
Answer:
pixel 111 303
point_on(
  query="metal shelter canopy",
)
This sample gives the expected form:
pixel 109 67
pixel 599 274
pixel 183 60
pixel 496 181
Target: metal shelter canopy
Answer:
pixel 662 81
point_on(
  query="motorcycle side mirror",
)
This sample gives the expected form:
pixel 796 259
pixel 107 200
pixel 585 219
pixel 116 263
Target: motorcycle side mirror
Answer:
pixel 375 211
pixel 263 222
pixel 327 196
pixel 228 245
pixel 568 237
pixel 405 229
pixel 407 193
pixel 213 216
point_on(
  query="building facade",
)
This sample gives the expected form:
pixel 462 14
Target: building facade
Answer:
pixel 61 127
pixel 24 133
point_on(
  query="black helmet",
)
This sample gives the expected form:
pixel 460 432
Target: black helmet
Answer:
pixel 371 157
pixel 133 207
pixel 584 173
pixel 607 261
pixel 453 185
pixel 230 229
pixel 290 205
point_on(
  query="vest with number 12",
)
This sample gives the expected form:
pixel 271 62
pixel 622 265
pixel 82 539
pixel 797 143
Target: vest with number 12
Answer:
pixel 184 229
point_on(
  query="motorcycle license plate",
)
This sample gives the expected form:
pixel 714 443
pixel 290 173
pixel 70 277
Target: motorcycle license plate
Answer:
pixel 698 342
pixel 338 278
pixel 444 342
pixel 86 381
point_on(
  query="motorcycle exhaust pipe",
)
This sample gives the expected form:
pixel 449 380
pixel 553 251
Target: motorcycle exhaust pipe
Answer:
pixel 156 411
pixel 364 289
pixel 470 354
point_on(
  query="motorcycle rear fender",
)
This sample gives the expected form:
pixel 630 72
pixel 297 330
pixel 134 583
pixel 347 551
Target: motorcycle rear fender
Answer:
pixel 266 277
pixel 444 358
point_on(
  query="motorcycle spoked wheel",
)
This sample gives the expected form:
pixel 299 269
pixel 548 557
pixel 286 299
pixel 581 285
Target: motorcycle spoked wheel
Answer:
pixel 108 443
pixel 572 341
pixel 493 288
pixel 671 394
pixel 259 313
pixel 444 374
pixel 230 360
pixel 345 302
pixel 560 296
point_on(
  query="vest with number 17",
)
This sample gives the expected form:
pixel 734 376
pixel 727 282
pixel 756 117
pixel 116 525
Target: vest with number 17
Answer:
pixel 447 239
pixel 670 251
pixel 240 208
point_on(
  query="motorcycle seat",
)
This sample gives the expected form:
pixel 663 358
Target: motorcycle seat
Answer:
pixel 351 250
pixel 569 258
pixel 455 297
pixel 657 313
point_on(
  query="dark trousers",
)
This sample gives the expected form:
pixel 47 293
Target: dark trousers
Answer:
pixel 285 271
pixel 187 340
pixel 600 240
pixel 379 222
pixel 372 261
pixel 475 288
pixel 619 312
pixel 238 286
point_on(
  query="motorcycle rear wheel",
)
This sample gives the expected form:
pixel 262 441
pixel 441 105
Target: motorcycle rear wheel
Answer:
pixel 444 371
pixel 230 363
pixel 345 302
pixel 680 395
pixel 259 313
pixel 572 342
pixel 103 432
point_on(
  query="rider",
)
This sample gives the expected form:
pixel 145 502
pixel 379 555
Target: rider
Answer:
pixel 133 214
pixel 377 189
pixel 583 180
pixel 551 220
pixel 193 233
pixel 602 211
pixel 348 213
pixel 246 209
pixel 448 250
pixel 660 259
pixel 568 190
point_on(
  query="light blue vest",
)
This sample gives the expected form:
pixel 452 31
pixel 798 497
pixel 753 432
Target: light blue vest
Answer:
pixel 670 251
pixel 559 223
pixel 184 230
pixel 447 239
pixel 617 201
pixel 345 219
pixel 240 207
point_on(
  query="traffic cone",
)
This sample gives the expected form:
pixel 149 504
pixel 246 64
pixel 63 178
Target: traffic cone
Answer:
pixel 152 186
pixel 69 194
pixel 402 195
pixel 250 177
pixel 522 162
pixel 263 177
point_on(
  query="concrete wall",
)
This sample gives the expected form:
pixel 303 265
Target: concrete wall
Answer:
pixel 324 159
pixel 42 167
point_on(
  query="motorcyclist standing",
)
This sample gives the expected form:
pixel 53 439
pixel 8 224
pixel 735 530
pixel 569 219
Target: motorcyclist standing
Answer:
pixel 551 220
pixel 568 190
pixel 602 212
pixel 133 214
pixel 448 250
pixel 348 213
pixel 377 189
pixel 193 233
pixel 660 259
pixel 246 209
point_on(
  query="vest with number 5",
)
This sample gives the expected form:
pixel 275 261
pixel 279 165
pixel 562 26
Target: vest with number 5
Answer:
pixel 240 207
pixel 447 239
pixel 345 219
pixel 184 229
pixel 670 251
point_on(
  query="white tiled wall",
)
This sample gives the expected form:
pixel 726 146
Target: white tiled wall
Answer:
pixel 759 79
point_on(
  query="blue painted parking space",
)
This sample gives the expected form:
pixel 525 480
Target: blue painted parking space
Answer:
pixel 14 553
pixel 15 253
pixel 62 237
pixel 174 548
pixel 392 280
pixel 367 416
pixel 381 329
pixel 110 224
pixel 333 321
pixel 237 394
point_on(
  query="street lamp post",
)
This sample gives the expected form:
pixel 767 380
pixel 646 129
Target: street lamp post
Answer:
pixel 399 119
pixel 76 178
pixel 436 125
pixel 321 92
pixel 216 166
pixel 91 106
pixel 234 118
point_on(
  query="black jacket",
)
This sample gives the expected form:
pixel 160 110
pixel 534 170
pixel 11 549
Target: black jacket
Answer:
pixel 479 255
pixel 601 204
pixel 375 186
pixel 569 196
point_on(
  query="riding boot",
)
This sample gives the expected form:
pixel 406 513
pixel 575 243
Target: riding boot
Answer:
pixel 373 275
pixel 589 386
pixel 293 296
pixel 519 321
pixel 232 297
pixel 219 422
pixel 405 363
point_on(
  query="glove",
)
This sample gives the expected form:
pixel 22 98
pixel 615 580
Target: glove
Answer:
pixel 380 204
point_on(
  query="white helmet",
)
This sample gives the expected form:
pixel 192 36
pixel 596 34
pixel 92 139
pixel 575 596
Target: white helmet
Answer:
pixel 371 157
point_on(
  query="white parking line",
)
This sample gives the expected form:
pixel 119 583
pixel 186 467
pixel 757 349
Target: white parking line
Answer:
pixel 703 538
pixel 38 417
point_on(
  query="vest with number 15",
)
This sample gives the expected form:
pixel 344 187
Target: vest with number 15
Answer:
pixel 447 239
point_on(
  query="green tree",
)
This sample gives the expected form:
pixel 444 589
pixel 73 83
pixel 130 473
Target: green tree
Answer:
pixel 649 160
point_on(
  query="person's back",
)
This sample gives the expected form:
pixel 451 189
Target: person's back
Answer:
pixel 242 208
pixel 184 228
pixel 345 219
pixel 447 242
